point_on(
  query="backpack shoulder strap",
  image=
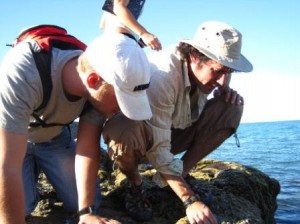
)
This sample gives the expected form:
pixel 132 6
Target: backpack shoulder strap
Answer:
pixel 47 36
pixel 42 61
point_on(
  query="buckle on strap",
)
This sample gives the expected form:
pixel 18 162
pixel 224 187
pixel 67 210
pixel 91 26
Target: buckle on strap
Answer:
pixel 237 141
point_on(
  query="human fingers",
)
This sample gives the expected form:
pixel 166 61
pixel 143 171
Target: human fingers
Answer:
pixel 240 100
pixel 107 221
pixel 155 44
pixel 152 41
pixel 232 96
pixel 203 220
pixel 236 98
pixel 207 217
pixel 199 213
pixel 90 218
pixel 217 92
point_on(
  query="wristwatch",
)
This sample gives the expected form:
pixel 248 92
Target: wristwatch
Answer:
pixel 190 201
pixel 88 210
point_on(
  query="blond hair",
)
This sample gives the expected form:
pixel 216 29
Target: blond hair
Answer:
pixel 83 64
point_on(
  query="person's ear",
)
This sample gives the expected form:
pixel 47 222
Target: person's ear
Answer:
pixel 92 79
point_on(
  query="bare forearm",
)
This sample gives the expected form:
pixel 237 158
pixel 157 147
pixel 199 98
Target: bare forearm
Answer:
pixel 86 173
pixel 178 185
pixel 87 162
pixel 12 206
pixel 12 209
pixel 128 19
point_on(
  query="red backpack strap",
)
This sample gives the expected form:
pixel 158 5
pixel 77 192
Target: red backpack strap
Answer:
pixel 48 36
pixel 41 30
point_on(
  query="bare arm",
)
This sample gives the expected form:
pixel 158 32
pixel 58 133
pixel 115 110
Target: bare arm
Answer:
pixel 87 163
pixel 12 204
pixel 197 212
pixel 126 17
pixel 86 168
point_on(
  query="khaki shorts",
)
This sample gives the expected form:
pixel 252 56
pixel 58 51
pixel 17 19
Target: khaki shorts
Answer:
pixel 122 134
pixel 216 116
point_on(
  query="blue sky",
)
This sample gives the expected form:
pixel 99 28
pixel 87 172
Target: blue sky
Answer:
pixel 270 28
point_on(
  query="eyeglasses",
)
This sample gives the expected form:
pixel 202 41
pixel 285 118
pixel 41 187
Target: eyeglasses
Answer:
pixel 221 71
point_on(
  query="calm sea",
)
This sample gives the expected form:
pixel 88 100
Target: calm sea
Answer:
pixel 274 148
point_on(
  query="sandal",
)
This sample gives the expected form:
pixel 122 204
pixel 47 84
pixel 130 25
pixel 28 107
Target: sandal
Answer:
pixel 136 203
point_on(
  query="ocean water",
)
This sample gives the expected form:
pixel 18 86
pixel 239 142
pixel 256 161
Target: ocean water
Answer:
pixel 274 148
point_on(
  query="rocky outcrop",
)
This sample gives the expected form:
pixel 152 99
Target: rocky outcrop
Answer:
pixel 235 193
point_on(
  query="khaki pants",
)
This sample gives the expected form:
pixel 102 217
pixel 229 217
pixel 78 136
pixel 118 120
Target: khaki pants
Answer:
pixel 122 134
pixel 216 116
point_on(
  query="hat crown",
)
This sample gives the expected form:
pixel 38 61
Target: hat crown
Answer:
pixel 222 43
pixel 122 63
pixel 128 69
pixel 220 39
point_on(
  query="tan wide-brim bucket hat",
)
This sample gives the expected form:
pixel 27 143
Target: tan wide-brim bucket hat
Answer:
pixel 222 43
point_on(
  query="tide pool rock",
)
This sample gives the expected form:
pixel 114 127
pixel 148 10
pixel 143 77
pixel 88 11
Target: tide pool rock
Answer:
pixel 236 194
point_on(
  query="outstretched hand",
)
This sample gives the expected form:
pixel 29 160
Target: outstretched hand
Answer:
pixel 199 213
pixel 151 41
pixel 94 219
pixel 230 95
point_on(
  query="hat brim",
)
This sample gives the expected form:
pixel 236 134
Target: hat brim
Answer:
pixel 241 65
pixel 134 105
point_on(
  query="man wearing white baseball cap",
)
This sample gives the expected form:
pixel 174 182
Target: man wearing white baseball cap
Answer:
pixel 112 75
pixel 184 119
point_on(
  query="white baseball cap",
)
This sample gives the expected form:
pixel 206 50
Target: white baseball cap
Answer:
pixel 121 62
pixel 222 43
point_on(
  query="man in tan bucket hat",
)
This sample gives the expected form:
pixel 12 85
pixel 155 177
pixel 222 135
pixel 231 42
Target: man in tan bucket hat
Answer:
pixel 184 120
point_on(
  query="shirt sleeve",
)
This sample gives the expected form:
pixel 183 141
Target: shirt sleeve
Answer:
pixel 20 89
pixel 162 96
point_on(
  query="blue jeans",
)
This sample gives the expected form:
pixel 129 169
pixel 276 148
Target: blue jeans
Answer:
pixel 56 158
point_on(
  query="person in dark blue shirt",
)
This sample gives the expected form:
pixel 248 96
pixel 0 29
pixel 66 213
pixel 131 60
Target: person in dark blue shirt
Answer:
pixel 122 16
